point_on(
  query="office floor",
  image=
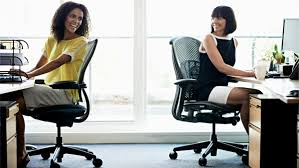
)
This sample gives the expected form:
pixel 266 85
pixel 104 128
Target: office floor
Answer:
pixel 142 155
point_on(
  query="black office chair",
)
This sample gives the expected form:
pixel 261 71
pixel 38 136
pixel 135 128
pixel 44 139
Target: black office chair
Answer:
pixel 187 108
pixel 66 115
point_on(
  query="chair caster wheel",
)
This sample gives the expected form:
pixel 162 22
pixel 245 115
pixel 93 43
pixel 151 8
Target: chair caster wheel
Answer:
pixel 45 155
pixel 245 159
pixel 97 162
pixel 234 122
pixel 197 150
pixel 202 161
pixel 54 165
pixel 173 155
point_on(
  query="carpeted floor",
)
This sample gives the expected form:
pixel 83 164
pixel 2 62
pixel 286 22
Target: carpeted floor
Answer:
pixel 141 156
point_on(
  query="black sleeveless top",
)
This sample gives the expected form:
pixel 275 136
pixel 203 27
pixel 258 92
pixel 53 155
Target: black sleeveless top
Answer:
pixel 209 76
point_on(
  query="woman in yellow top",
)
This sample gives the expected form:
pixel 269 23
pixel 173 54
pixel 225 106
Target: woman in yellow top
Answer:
pixel 62 57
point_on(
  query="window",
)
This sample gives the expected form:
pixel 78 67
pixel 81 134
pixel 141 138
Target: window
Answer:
pixel 25 19
pixel 131 76
pixel 112 67
pixel 259 28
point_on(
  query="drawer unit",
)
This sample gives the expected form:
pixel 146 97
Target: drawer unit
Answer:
pixel 8 144
pixel 255 112
pixel 272 132
pixel 254 132
pixel 12 152
pixel 11 123
pixel 254 147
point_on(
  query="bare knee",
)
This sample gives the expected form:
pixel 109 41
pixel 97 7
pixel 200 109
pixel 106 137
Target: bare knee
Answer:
pixel 240 95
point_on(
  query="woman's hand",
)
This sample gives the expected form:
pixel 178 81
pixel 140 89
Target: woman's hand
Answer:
pixel 251 74
pixel 18 72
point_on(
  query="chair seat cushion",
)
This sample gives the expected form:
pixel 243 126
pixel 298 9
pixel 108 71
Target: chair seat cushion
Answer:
pixel 63 115
pixel 216 107
pixel 209 112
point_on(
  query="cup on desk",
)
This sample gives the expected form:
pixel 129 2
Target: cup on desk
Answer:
pixel 260 72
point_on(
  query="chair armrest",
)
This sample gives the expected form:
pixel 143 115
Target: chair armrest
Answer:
pixel 67 85
pixel 185 82
pixel 39 81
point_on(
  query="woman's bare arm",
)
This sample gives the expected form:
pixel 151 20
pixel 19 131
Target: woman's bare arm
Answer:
pixel 42 61
pixel 50 66
pixel 215 57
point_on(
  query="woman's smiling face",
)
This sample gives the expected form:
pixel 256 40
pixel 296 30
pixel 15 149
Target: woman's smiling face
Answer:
pixel 218 24
pixel 73 20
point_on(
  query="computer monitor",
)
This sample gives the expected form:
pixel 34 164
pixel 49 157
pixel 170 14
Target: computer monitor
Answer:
pixel 290 35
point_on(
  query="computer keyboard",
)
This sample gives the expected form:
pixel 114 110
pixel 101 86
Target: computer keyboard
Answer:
pixel 272 74
pixel 7 78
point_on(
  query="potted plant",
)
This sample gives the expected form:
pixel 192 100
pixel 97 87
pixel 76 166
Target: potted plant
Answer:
pixel 277 55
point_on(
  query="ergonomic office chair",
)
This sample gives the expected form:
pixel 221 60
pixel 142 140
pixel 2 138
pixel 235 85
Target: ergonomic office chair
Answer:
pixel 186 107
pixel 66 115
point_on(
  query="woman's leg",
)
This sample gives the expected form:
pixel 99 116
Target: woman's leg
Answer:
pixel 240 96
pixel 21 148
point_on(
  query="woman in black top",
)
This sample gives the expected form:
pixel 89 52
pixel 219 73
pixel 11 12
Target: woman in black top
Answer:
pixel 216 63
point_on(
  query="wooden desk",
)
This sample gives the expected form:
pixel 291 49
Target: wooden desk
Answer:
pixel 11 87
pixel 273 124
pixel 280 87
pixel 8 110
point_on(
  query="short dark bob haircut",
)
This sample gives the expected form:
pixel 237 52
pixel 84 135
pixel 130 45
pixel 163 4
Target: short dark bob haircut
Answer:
pixel 227 13
pixel 57 27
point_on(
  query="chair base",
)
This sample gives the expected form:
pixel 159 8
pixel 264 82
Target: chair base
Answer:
pixel 59 151
pixel 211 148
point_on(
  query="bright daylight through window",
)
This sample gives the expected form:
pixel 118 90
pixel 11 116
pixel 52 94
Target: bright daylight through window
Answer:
pixel 118 94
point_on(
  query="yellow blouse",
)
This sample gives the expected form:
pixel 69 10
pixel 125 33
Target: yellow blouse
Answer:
pixel 76 48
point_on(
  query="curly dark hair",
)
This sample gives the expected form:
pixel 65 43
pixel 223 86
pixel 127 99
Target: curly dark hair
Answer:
pixel 227 13
pixel 57 27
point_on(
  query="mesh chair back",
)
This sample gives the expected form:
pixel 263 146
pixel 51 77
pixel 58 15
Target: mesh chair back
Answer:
pixel 186 62
pixel 91 46
pixel 185 55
